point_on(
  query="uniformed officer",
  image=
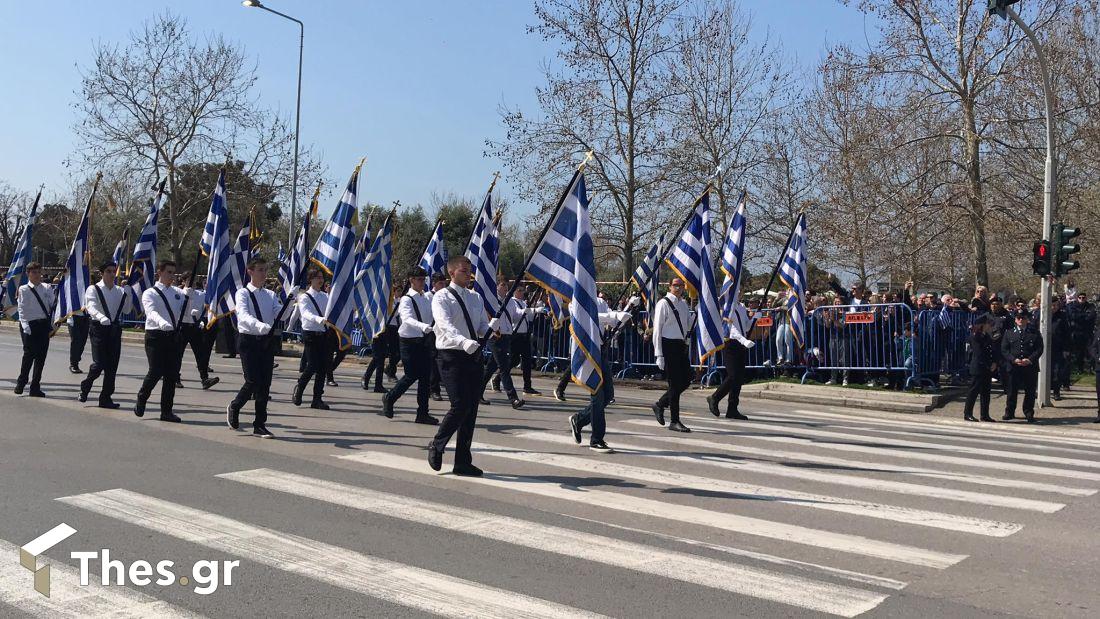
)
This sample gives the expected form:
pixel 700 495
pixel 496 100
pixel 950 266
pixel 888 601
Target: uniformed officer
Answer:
pixel 1021 348
pixel 522 315
pixel 500 345
pixel 256 308
pixel 195 334
pixel 163 304
pixel 610 321
pixel 459 322
pixel 415 312
pixel 317 353
pixel 34 300
pixel 735 351
pixel 671 323
pixel 105 303
pixel 983 366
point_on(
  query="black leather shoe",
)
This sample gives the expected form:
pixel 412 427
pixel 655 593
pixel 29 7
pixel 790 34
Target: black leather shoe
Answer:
pixel 75 369
pixel 712 404
pixel 426 419
pixel 659 413
pixel 210 382
pixel 387 407
pixel 83 397
pixel 676 426
pixel 1030 418
pixel 435 458
pixel 575 428
pixel 179 384
pixel 262 432
pixel 518 403
pixel 1008 417
pixel 987 418
pixel 232 417
pixel 969 418
pixel 37 393
pixel 319 405
pixel 331 383
pixel 110 405
pixel 19 388
pixel 483 402
pixel 438 397
pixel 365 383
pixel 559 394
pixel 171 418
pixel 468 470
pixel 496 385
pixel 381 389
pixel 139 408
pixel 736 415
pixel 296 397
pixel 531 391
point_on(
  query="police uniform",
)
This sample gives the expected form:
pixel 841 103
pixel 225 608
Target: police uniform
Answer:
pixel 256 310
pixel 983 357
pixel 671 323
pixel 735 351
pixel 459 322
pixel 317 352
pixel 195 335
pixel 500 345
pixel 521 316
pixel 416 322
pixel 1021 343
pixel 34 303
pixel 105 306
pixel 163 307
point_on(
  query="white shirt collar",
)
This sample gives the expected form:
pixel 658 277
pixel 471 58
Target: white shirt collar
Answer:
pixel 252 288
pixel 161 286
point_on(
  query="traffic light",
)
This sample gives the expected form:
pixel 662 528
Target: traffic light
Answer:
pixel 1040 261
pixel 999 7
pixel 1062 237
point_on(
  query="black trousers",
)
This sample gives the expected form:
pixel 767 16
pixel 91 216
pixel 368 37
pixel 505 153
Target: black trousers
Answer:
pixel 521 355
pixel 980 387
pixel 316 358
pixel 393 349
pixel 229 335
pixel 461 374
pixel 162 349
pixel 35 346
pixel 106 349
pixel 435 380
pixel 1025 378
pixel 337 354
pixel 734 355
pixel 678 375
pixel 201 343
pixel 257 361
pixel 416 356
pixel 379 352
pixel 78 338
pixel 501 349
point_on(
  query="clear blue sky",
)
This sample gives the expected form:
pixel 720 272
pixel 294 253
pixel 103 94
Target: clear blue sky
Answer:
pixel 412 85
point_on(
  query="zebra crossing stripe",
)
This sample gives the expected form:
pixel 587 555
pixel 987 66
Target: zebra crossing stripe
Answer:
pixel 734 523
pixel 393 582
pixel 740 579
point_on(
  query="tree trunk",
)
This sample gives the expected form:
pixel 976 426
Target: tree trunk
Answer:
pixel 976 207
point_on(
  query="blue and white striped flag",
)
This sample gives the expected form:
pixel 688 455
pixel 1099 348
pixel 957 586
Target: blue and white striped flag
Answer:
pixel 74 283
pixel 483 252
pixel 374 280
pixel 434 260
pixel 335 253
pixel 16 274
pixel 119 255
pixel 690 260
pixel 143 261
pixel 792 272
pixel 236 276
pixel 286 280
pixel 216 247
pixel 733 255
pixel 645 276
pixel 564 265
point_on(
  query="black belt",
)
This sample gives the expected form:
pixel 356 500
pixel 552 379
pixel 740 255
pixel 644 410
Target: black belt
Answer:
pixel 418 339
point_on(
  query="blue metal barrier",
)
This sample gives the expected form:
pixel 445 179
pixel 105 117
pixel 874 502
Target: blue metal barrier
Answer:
pixel 869 339
pixel 941 346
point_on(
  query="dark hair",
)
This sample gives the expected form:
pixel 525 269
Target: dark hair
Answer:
pixel 108 265
pixel 34 266
pixel 417 271
pixel 314 274
pixel 164 264
pixel 439 277
pixel 255 262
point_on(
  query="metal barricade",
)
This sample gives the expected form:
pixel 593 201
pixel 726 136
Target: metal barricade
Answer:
pixel 874 340
pixel 941 346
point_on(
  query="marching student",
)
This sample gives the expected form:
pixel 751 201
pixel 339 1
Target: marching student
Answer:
pixel 256 309
pixel 195 335
pixel 735 351
pixel 163 304
pixel 415 313
pixel 380 351
pixel 520 353
pixel 610 322
pixel 671 322
pixel 105 303
pixel 317 353
pixel 78 339
pixel 34 300
pixel 459 322
pixel 439 282
pixel 500 345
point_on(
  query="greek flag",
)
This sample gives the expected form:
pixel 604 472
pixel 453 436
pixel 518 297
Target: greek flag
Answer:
pixel 143 261
pixel 17 270
pixel 645 276
pixel 74 283
pixel 733 254
pixel 690 260
pixel 237 268
pixel 286 280
pixel 215 244
pixel 120 250
pixel 483 251
pixel 434 260
pixel 374 280
pixel 564 265
pixel 792 272
pixel 558 311
pixel 335 253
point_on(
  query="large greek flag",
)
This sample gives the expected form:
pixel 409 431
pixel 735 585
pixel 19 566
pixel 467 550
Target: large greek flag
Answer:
pixel 236 276
pixel 645 276
pixel 143 262
pixel 286 280
pixel 215 244
pixel 792 272
pixel 434 260
pixel 690 259
pixel 374 280
pixel 733 255
pixel 74 283
pixel 17 270
pixel 335 253
pixel 483 252
pixel 564 265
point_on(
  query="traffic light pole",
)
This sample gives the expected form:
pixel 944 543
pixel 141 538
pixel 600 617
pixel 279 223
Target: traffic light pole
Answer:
pixel 1050 197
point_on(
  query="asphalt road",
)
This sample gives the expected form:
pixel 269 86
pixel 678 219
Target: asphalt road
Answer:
pixel 798 512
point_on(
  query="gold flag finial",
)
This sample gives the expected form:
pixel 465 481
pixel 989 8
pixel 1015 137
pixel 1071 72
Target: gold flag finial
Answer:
pixel 588 156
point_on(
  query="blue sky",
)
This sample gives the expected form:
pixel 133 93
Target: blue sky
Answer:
pixel 414 86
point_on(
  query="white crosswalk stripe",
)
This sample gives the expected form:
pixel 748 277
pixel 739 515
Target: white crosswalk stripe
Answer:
pixel 741 579
pixel 853 544
pixel 393 582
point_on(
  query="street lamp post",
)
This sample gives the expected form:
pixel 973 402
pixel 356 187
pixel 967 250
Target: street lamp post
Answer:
pixel 297 110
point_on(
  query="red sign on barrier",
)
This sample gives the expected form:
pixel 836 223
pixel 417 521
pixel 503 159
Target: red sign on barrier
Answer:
pixel 764 321
pixel 859 318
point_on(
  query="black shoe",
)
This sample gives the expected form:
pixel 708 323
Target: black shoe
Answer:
pixel 110 405
pixel 19 388
pixel 496 385
pixel 139 408
pixel 233 356
pixel 83 397
pixel 210 382
pixel 1030 418
pixel 319 405
pixel 736 415
pixel 171 418
pixel 468 470
pixel 296 396
pixel 559 394
pixel 381 389
pixel 261 432
pixel 1008 417
pixel 575 428
pixel 659 413
pixel 518 403
pixel 987 418
pixel 365 383
pixel 1057 397
pixel 387 407
pixel 531 391
pixel 483 402
pixel 676 426
pixel 435 458
pixel 426 419
pixel 275 366
pixel 331 382
pixel 712 404
pixel 75 369
pixel 601 447
pixel 179 384
pixel 232 417
pixel 392 377
pixel 969 418
pixel 438 397
pixel 1097 420
pixel 37 393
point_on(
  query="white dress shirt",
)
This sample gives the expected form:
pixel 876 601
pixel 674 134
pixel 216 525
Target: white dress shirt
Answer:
pixel 519 315
pixel 739 321
pixel 311 309
pixel 414 309
pixel 601 305
pixel 256 319
pixel 159 317
pixel 29 308
pixel 665 325
pixel 196 305
pixel 118 303
pixel 451 330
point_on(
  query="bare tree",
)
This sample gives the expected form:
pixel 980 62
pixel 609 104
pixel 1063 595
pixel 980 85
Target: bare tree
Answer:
pixel 14 207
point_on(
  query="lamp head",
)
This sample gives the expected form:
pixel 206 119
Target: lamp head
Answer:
pixel 253 3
